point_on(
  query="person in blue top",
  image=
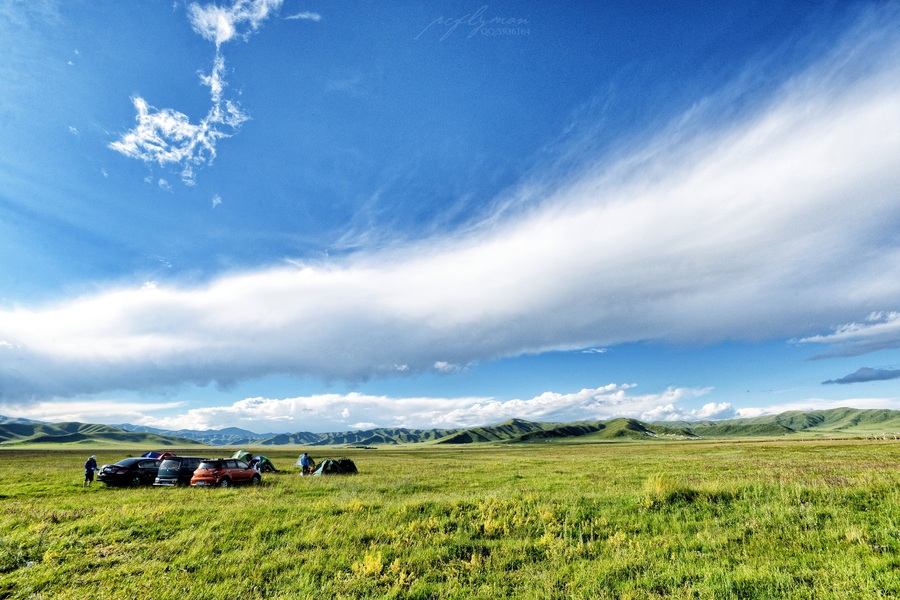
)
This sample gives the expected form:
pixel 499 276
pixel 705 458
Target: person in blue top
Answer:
pixel 304 464
pixel 90 465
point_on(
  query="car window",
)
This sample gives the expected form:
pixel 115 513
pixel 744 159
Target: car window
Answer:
pixel 170 463
pixel 193 463
pixel 148 464
pixel 241 464
pixel 230 464
pixel 210 464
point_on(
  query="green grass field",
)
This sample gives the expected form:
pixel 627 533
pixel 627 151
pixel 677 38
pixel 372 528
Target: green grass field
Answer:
pixel 800 519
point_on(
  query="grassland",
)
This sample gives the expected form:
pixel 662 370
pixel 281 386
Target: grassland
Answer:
pixel 795 519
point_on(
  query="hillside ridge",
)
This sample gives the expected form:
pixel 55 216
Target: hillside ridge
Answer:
pixel 843 421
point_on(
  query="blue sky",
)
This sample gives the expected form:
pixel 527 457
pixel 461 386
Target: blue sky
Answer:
pixel 322 216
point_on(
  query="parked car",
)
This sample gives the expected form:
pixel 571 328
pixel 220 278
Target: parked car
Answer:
pixel 224 472
pixel 130 471
pixel 177 470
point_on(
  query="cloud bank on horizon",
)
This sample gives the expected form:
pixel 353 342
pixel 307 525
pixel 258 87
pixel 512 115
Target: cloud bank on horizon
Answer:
pixel 363 411
pixel 354 411
pixel 776 223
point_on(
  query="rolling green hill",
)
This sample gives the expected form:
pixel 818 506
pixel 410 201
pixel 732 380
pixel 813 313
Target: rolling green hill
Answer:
pixel 851 421
pixel 839 421
pixel 82 434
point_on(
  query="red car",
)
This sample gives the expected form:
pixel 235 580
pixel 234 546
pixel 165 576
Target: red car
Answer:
pixel 224 472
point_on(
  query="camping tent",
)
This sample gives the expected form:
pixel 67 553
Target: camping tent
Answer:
pixel 299 458
pixel 266 465
pixel 243 455
pixel 309 469
pixel 340 466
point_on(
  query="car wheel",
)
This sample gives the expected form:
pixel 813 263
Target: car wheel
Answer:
pixel 255 480
pixel 224 483
pixel 135 481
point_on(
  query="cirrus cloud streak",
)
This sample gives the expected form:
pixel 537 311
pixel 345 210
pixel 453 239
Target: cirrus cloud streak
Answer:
pixel 777 224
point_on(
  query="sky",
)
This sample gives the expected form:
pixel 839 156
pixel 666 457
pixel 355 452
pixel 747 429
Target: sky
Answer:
pixel 331 215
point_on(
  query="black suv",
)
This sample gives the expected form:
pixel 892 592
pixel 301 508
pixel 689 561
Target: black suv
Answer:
pixel 177 470
pixel 130 471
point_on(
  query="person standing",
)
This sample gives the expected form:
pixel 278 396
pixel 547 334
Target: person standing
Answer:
pixel 90 465
pixel 304 463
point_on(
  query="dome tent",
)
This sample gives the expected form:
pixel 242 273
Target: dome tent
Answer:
pixel 243 455
pixel 262 463
pixel 266 465
pixel 340 466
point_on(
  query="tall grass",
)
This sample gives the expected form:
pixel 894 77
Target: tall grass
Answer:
pixel 629 520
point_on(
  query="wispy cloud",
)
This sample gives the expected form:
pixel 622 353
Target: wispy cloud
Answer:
pixel 768 226
pixel 866 374
pixel 241 18
pixel 879 331
pixel 445 367
pixel 166 136
pixel 305 16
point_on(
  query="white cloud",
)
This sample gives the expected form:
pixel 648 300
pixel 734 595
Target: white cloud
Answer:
pixel 241 18
pixel 332 412
pixel 673 412
pixel 167 136
pixel 879 331
pixel 216 201
pixel 88 411
pixel 819 404
pixel 305 16
pixel 712 410
pixel 447 368
pixel 771 226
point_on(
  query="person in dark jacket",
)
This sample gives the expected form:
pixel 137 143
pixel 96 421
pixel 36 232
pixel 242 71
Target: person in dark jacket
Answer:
pixel 90 465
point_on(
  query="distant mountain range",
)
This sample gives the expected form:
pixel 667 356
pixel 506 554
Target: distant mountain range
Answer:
pixel 842 421
pixel 232 436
